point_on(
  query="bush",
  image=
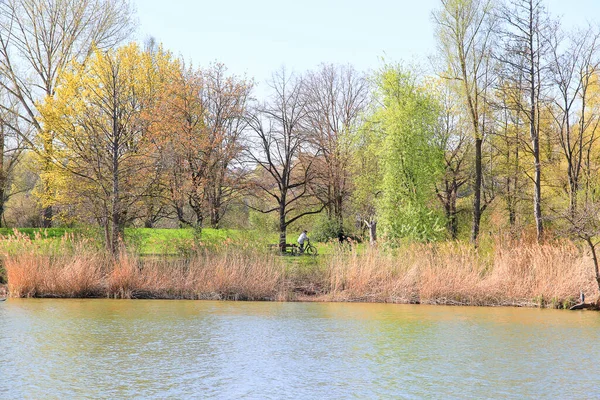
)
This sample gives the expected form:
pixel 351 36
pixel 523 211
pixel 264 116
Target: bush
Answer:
pixel 327 229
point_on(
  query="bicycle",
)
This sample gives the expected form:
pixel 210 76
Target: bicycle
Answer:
pixel 309 249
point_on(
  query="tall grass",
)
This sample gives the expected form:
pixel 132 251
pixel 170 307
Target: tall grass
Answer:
pixel 510 273
pixel 92 274
pixel 451 273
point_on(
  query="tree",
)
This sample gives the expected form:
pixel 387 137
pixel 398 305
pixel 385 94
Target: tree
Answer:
pixel 453 140
pixel 573 71
pixel 525 34
pixel 337 98
pixel 201 142
pixel 99 118
pixel 465 36
pixel 584 224
pixel 283 153
pixel 38 40
pixel 225 100
pixel 12 147
pixel 184 144
pixel 366 173
pixel 508 140
pixel 412 162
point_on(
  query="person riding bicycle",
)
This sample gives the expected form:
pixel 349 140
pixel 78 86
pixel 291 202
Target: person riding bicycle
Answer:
pixel 302 239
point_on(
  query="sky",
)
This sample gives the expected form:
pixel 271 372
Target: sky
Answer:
pixel 257 37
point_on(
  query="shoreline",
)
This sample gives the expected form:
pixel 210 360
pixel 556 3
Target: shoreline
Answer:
pixel 315 298
pixel 511 274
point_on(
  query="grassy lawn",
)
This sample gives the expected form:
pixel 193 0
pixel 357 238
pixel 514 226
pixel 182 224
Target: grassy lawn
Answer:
pixel 49 233
pixel 172 241
pixel 154 241
pixel 146 241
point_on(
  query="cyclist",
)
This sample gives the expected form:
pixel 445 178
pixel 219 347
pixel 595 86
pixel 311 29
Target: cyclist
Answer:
pixel 302 239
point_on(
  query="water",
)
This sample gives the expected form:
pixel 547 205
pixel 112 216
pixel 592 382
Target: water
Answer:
pixel 230 350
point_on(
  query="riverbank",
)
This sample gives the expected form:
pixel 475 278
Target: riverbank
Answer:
pixel 510 274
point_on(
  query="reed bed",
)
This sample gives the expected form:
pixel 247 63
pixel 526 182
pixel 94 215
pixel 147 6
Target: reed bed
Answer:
pixel 510 273
pixel 84 271
pixel 513 274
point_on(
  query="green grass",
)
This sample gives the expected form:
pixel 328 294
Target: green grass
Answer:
pixel 147 241
pixel 155 241
pixel 48 233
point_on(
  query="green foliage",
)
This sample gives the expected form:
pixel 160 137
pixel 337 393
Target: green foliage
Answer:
pixel 366 169
pixel 326 229
pixel 263 222
pixel 411 160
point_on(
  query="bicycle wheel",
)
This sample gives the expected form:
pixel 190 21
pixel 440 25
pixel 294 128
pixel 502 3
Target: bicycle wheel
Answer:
pixel 311 250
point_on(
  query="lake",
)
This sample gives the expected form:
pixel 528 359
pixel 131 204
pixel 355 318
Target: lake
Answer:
pixel 52 348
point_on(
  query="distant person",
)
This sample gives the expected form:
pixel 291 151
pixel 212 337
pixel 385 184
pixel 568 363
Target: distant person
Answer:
pixel 302 239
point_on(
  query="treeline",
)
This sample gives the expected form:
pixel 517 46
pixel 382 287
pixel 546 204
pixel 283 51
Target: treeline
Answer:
pixel 503 133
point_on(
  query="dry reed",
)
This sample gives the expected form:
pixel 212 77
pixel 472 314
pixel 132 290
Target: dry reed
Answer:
pixel 448 273
pixel 89 273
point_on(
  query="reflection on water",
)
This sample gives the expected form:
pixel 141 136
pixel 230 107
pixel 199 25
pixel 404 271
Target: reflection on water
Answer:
pixel 194 349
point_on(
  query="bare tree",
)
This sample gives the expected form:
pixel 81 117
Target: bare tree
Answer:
pixel 525 32
pixel 225 101
pixel 584 224
pixel 282 153
pixel 574 69
pixel 11 148
pixel 39 38
pixel 507 141
pixel 465 35
pixel 337 97
pixel 201 142
pixel 453 139
pixel 186 146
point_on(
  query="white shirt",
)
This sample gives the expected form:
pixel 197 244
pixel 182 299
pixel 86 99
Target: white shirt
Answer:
pixel 302 238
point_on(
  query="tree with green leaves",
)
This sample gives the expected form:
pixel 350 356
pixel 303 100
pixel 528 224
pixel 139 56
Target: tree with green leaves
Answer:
pixel 412 162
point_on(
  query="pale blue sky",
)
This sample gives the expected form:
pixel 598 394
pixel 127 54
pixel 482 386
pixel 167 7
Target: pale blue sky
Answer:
pixel 257 37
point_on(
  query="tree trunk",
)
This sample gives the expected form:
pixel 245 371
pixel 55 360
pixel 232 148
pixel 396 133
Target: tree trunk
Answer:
pixel 452 220
pixel 537 207
pixel 47 165
pixel 115 200
pixel 372 232
pixel 180 216
pixel 3 177
pixel 106 225
pixel 573 189
pixel 534 123
pixel 595 259
pixel 198 226
pixel 477 191
pixel 116 225
pixel 215 217
pixel 47 215
pixel 537 178
pixel 282 229
pixel 2 194
pixel 199 212
pixel 116 234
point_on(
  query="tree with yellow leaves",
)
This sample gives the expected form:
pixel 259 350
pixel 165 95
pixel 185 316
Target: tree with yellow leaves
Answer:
pixel 100 118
